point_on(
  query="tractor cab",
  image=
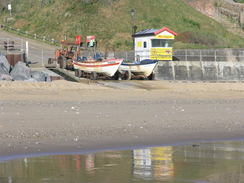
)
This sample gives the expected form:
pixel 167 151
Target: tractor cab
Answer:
pixel 69 49
pixel 68 52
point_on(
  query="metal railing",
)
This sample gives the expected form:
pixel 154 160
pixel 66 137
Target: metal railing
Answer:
pixel 44 38
pixel 194 55
pixel 209 55
pixel 34 55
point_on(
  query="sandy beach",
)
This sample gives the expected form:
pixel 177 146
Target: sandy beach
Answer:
pixel 67 117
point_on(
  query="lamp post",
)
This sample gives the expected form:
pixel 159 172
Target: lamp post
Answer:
pixel 134 27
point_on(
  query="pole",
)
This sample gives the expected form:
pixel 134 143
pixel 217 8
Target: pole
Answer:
pixel 27 49
pixel 202 66
pixel 42 58
pixel 133 26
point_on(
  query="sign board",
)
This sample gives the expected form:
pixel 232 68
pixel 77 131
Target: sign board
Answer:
pixel 90 40
pixel 165 36
pixel 161 53
pixel 78 40
pixel 9 7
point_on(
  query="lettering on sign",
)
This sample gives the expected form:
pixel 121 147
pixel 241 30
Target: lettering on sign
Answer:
pixel 165 36
pixel 161 54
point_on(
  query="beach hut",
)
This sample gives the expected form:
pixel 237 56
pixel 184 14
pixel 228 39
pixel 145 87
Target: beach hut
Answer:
pixel 154 44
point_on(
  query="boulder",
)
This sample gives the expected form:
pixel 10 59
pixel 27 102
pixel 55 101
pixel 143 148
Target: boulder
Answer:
pixel 3 69
pixel 31 80
pixel 4 65
pixel 5 77
pixel 40 76
pixel 21 72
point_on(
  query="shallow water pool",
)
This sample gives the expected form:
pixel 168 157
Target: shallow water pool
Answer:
pixel 221 162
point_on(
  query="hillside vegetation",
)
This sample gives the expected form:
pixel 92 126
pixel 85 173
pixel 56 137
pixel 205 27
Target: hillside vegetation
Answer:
pixel 239 1
pixel 111 22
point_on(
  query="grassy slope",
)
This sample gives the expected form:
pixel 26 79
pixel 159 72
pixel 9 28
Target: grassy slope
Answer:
pixel 110 20
pixel 239 1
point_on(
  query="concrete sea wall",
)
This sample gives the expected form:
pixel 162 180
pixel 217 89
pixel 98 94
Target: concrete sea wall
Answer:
pixel 221 64
pixel 194 70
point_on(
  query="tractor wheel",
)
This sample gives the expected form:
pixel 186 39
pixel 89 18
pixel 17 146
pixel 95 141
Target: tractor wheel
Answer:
pixel 78 73
pixel 117 76
pixel 50 61
pixel 83 74
pixel 94 76
pixel 69 65
pixel 151 76
pixel 62 62
pixel 127 75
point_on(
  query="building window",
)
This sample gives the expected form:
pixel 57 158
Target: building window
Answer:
pixel 145 44
pixel 163 43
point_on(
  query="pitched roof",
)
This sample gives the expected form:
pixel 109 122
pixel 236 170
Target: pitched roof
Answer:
pixel 151 32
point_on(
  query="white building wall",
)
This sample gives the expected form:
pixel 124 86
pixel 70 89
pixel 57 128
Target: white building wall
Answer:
pixel 144 53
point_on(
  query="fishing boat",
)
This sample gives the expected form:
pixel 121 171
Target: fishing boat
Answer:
pixel 96 68
pixel 150 46
pixel 142 69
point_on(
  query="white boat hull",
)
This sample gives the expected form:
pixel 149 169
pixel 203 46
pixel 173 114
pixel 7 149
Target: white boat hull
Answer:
pixel 139 69
pixel 106 67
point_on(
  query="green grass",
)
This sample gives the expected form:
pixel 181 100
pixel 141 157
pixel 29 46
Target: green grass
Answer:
pixel 111 21
pixel 239 1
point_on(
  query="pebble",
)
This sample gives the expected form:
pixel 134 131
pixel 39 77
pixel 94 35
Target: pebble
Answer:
pixel 76 139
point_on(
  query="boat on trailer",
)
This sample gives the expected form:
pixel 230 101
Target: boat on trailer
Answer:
pixel 150 46
pixel 96 68
pixel 142 69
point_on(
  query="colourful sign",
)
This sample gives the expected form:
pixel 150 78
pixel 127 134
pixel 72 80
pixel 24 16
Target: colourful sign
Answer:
pixel 77 39
pixel 161 54
pixel 165 36
pixel 90 38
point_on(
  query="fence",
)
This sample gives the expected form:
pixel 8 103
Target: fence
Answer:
pixel 11 45
pixel 35 54
pixel 33 36
pixel 209 55
pixel 198 55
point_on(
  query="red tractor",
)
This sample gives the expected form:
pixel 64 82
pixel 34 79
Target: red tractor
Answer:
pixel 67 53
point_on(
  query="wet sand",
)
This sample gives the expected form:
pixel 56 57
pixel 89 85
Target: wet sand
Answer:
pixel 58 117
